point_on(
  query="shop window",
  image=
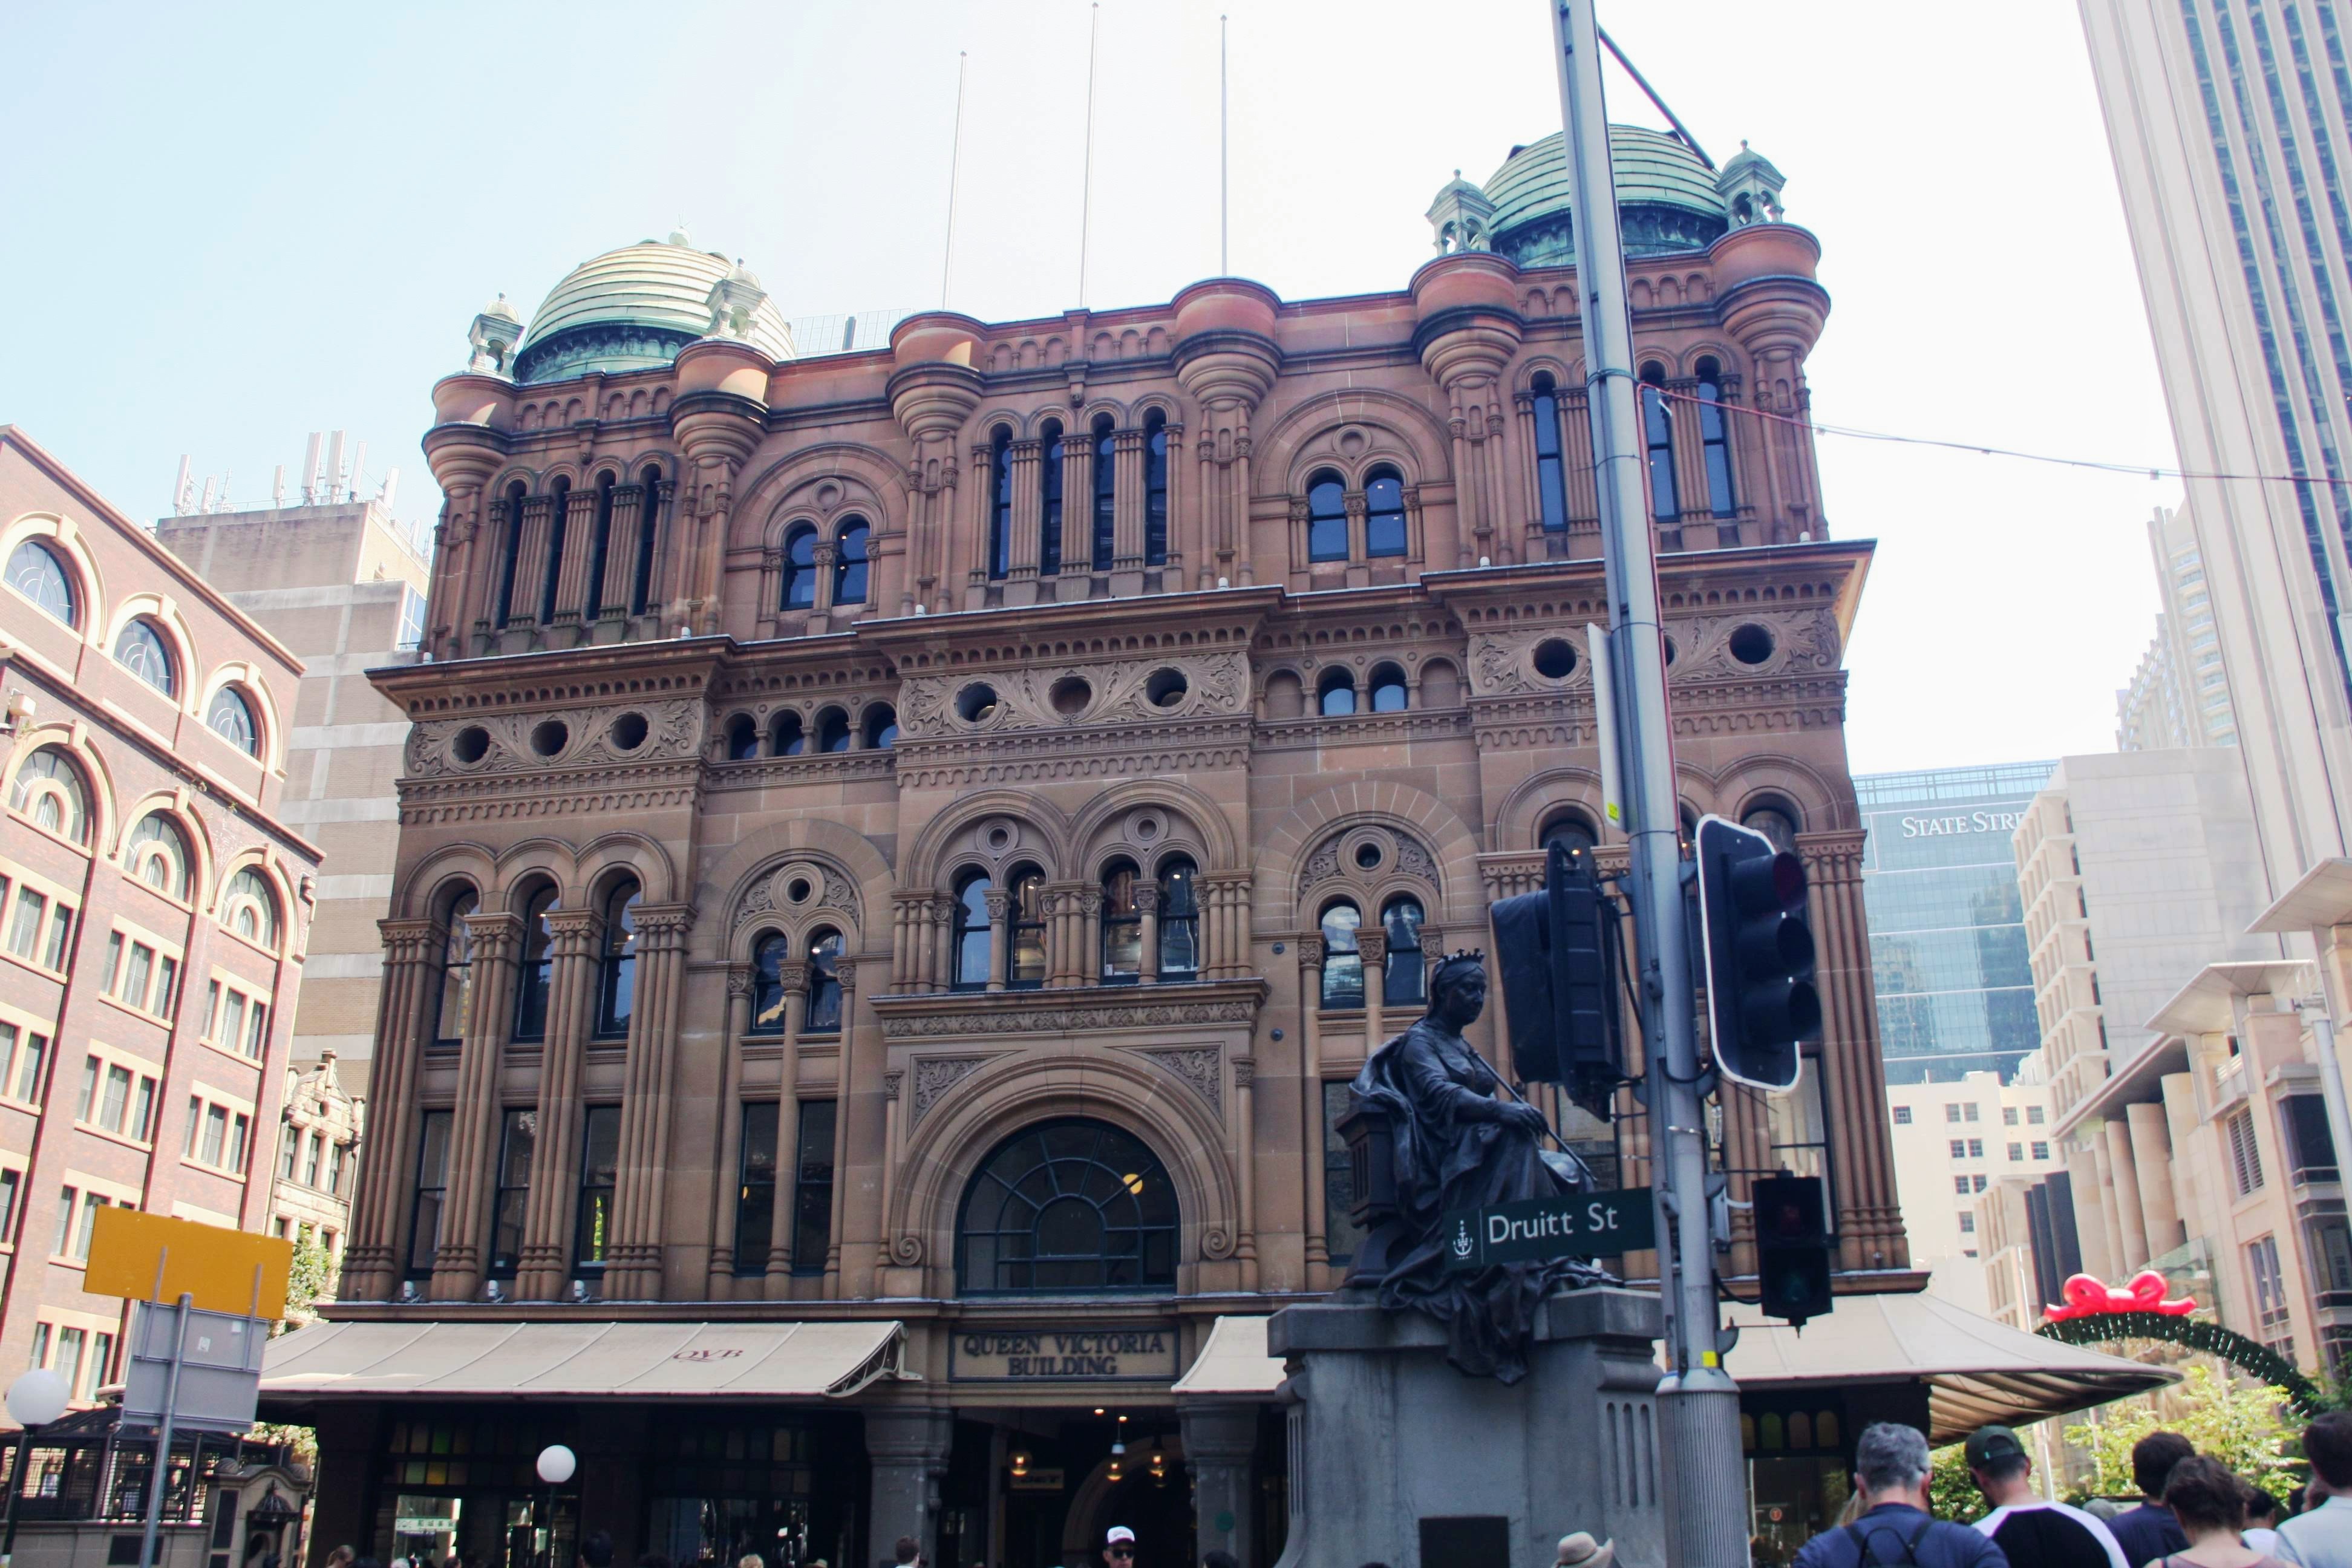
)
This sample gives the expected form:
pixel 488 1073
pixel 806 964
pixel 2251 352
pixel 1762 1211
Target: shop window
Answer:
pixel 824 983
pixel 1327 518
pixel 1404 979
pixel 141 650
pixel 1179 919
pixel 456 1006
pixel 1068 1206
pixel 50 790
pixel 432 1191
pixel 1343 960
pixel 799 570
pixel 38 572
pixel 813 1188
pixel 1551 482
pixel 852 561
pixel 511 1208
pixel 755 1191
pixel 1384 526
pixel 531 982
pixel 600 1175
pixel 616 964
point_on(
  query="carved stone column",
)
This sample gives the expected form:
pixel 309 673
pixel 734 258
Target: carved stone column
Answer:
pixel 545 1263
pixel 1310 1100
pixel 729 1164
pixel 1853 1097
pixel 1090 901
pixel 618 593
pixel 571 570
pixel 1171 580
pixel 942 945
pixel 886 1229
pixel 1028 507
pixel 634 1272
pixel 1246 1165
pixel 1064 936
pixel 1000 948
pixel 845 1088
pixel 1126 514
pixel 1372 950
pixel 473 1129
pixel 974 554
pixel 778 1286
pixel 371 1264
pixel 1147 906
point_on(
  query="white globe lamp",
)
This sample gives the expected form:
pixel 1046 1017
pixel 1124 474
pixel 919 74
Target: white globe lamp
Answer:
pixel 37 1398
pixel 556 1464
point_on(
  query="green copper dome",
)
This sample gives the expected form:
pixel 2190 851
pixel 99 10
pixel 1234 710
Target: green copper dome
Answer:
pixel 1667 199
pixel 632 309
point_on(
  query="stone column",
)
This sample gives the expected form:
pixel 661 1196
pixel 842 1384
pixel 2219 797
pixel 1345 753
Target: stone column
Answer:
pixel 2151 1145
pixel 1020 581
pixel 1090 898
pixel 529 565
pixel 619 591
pixel 2123 1170
pixel 908 1451
pixel 635 1270
pixel 943 948
pixel 1060 904
pixel 727 1173
pixel 1173 580
pixel 1126 514
pixel 778 1286
pixel 1246 1165
pixel 1372 944
pixel 571 570
pixel 1220 1442
pixel 1147 906
pixel 844 1086
pixel 1077 502
pixel 975 545
pixel 1204 506
pixel 1854 1091
pixel 1000 949
pixel 473 1129
pixel 1310 1099
pixel 545 1265
pixel 371 1263
pixel 884 1228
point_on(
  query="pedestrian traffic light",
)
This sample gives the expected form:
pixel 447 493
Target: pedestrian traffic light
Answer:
pixel 1761 999
pixel 1555 951
pixel 1792 1247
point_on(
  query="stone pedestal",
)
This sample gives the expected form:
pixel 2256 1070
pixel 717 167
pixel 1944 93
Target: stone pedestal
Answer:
pixel 908 1450
pixel 1390 1448
pixel 1220 1446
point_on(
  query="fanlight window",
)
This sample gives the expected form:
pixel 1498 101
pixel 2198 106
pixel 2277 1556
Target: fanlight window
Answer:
pixel 1384 528
pixel 800 570
pixel 1179 919
pixel 1327 518
pixel 1122 923
pixel 851 562
pixel 1071 1205
pixel 824 983
pixel 537 961
pixel 1404 979
pixel 36 572
pixel 160 855
pixel 141 650
pixel 50 790
pixel 249 907
pixel 231 718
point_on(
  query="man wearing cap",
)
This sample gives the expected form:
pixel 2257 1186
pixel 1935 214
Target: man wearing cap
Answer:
pixel 1119 1547
pixel 2031 1531
pixel 1890 1461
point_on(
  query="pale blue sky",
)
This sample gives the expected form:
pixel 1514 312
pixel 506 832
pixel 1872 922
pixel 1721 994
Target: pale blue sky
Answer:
pixel 229 225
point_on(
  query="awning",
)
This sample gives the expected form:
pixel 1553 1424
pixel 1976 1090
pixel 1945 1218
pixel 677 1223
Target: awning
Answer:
pixel 1233 1362
pixel 582 1360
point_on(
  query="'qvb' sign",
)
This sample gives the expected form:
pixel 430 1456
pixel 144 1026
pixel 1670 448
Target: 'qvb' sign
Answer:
pixel 1023 1355
pixel 1586 1225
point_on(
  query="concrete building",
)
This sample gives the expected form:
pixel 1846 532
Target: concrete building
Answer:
pixel 1953 1142
pixel 155 902
pixel 1947 949
pixel 2180 695
pixel 2135 868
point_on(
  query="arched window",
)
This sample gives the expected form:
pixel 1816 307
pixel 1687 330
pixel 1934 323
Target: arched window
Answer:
pixel 640 581
pixel 1715 438
pixel 1335 694
pixel 1049 500
pixel 972 933
pixel 141 650
pixel 879 726
pixel 824 983
pixel 38 572
pixel 616 964
pixel 833 730
pixel 768 985
pixel 249 907
pixel 851 562
pixel 1155 488
pixel 231 718
pixel 1122 923
pixel 1180 919
pixel 1776 821
pixel 1551 472
pixel 1343 960
pixel 50 790
pixel 600 546
pixel 1658 438
pixel 1327 518
pixel 785 736
pixel 160 856
pixel 742 739
pixel 1571 829
pixel 1384 531
pixel 1070 1206
pixel 1388 691
pixel 456 1004
pixel 513 552
pixel 999 503
pixel 1106 492
pixel 1025 964
pixel 1402 976
pixel 554 571
pixel 799 569
pixel 530 985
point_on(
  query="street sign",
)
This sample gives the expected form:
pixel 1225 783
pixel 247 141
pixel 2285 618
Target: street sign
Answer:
pixel 213 1267
pixel 1585 1224
pixel 219 1374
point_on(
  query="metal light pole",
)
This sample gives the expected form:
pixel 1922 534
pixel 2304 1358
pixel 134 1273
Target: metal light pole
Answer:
pixel 556 1466
pixel 34 1400
pixel 1698 1402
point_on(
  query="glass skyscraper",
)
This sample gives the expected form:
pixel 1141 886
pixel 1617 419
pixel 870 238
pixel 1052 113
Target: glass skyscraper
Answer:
pixel 1948 947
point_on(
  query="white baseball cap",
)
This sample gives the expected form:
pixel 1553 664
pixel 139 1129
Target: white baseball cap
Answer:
pixel 1117 1532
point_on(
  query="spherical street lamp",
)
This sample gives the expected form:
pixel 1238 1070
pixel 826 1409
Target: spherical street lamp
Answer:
pixel 34 1400
pixel 556 1463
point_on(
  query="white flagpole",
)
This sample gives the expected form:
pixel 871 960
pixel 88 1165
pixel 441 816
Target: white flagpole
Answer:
pixel 955 165
pixel 1087 197
pixel 1224 164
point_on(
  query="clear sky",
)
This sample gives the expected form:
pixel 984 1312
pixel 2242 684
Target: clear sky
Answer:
pixel 227 226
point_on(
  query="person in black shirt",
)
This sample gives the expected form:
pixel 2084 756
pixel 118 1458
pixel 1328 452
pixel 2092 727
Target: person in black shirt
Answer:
pixel 2031 1531
pixel 2149 1532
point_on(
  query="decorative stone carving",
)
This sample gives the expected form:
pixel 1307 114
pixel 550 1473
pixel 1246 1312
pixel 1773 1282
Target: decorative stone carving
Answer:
pixel 673 733
pixel 982 1021
pixel 1216 683
pixel 1198 1066
pixel 934 1075
pixel 1334 857
pixel 829 887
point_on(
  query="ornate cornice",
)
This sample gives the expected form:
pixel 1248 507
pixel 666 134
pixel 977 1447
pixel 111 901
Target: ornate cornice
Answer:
pixel 1123 1009
pixel 1362 729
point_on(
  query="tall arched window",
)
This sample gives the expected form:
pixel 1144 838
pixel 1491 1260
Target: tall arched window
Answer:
pixel 1049 500
pixel 531 984
pixel 1402 976
pixel 850 562
pixel 1155 488
pixel 1572 829
pixel 785 736
pixel 824 983
pixel 1388 688
pixel 455 1005
pixel 231 718
pixel 141 650
pixel 878 727
pixel 1335 694
pixel 600 546
pixel 1122 923
pixel 1327 518
pixel 249 907
pixel 641 580
pixel 1106 492
pixel 161 857
pixel 616 964
pixel 999 503
pixel 742 739
pixel 1070 1206
pixel 1385 530
pixel 50 790
pixel 972 933
pixel 799 569
pixel 38 572
pixel 1551 472
pixel 768 985
pixel 554 571
pixel 1180 919
pixel 833 730
pixel 1025 964
pixel 1715 437
pixel 512 528
pixel 1658 438
pixel 1343 960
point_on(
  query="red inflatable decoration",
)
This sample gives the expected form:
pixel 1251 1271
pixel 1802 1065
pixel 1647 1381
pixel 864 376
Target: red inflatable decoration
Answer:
pixel 2088 1296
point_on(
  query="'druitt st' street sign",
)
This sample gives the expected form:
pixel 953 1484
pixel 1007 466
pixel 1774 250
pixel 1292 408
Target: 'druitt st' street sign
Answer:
pixel 1583 1224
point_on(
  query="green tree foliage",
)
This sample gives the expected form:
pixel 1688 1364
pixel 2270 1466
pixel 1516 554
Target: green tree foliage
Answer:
pixel 2240 1427
pixel 310 1278
pixel 1951 1489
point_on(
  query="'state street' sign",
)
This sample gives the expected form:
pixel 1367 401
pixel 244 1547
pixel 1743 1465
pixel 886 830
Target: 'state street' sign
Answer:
pixel 1027 1355
pixel 1587 1224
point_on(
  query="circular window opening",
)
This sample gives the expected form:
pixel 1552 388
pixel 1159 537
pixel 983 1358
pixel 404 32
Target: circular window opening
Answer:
pixel 998 838
pixel 799 891
pixel 629 732
pixel 1671 650
pixel 1166 688
pixel 551 737
pixel 1751 644
pixel 1554 658
pixel 1070 696
pixel 975 702
pixel 1368 856
pixel 472 744
pixel 1147 828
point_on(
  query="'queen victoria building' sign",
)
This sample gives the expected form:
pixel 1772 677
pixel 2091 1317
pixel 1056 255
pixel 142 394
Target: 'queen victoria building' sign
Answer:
pixel 1025 1355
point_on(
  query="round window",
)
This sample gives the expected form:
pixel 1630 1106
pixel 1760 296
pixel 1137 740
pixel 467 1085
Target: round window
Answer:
pixel 1554 658
pixel 471 745
pixel 551 737
pixel 975 702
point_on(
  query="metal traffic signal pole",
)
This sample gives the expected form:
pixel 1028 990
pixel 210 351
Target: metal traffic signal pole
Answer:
pixel 1706 1510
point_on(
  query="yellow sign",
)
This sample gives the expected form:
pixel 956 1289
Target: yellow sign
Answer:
pixel 213 1265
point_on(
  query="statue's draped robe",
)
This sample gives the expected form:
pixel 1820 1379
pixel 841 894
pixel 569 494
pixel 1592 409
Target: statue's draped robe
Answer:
pixel 1450 1154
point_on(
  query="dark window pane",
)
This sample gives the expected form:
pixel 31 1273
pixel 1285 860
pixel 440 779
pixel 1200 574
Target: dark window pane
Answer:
pixel 813 1191
pixel 1326 519
pixel 1384 528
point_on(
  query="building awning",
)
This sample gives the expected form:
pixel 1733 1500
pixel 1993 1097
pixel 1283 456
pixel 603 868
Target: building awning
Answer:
pixel 2321 896
pixel 1234 1362
pixel 582 1360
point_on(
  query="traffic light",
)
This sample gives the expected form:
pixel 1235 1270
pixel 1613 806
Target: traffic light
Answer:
pixel 1761 999
pixel 1792 1247
pixel 1555 951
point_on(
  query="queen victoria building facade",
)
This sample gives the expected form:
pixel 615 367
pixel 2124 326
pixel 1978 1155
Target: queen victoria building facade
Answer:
pixel 901 852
